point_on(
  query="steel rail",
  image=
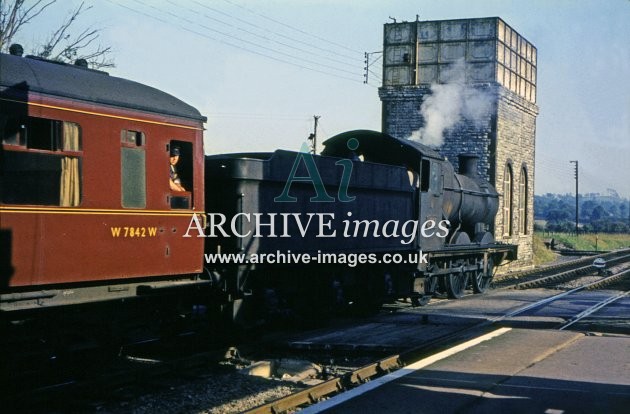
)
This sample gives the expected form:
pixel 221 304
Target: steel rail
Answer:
pixel 565 266
pixel 593 309
pixel 598 306
pixel 568 274
pixel 593 285
pixel 316 393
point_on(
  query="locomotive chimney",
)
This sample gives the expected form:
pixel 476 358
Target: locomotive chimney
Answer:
pixel 468 165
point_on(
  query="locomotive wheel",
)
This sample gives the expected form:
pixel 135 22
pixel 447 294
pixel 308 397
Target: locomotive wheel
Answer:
pixel 481 280
pixel 456 283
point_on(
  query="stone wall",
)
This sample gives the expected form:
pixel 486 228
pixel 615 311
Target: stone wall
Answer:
pixel 401 117
pixel 515 145
pixel 401 109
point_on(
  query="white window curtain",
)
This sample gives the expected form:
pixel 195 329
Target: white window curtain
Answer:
pixel 70 188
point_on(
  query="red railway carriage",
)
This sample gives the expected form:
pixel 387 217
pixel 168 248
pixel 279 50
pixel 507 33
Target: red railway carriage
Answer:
pixel 86 210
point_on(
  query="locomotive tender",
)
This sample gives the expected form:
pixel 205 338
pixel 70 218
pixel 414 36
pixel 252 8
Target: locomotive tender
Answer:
pixel 87 214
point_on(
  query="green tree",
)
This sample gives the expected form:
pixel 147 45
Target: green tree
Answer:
pixel 558 215
pixel 598 213
pixel 586 208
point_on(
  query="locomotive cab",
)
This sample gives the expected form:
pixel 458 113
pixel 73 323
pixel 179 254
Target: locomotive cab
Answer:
pixel 425 169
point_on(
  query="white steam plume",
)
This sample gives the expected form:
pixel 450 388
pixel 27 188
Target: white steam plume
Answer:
pixel 450 103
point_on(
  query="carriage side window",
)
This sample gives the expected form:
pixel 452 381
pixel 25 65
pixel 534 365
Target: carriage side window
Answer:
pixel 41 133
pixel 41 163
pixel 132 138
pixel 133 169
pixel 12 130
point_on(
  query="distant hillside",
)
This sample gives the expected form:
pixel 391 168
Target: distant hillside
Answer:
pixel 607 213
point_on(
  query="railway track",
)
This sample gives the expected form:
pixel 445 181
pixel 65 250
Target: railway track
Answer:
pixel 93 377
pixel 559 272
pixel 137 365
pixel 394 362
pixel 74 360
pixel 606 281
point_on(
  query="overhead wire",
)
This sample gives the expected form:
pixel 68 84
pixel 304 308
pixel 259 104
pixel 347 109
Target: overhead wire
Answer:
pixel 292 27
pixel 376 75
pixel 242 115
pixel 226 42
pixel 562 169
pixel 278 34
pixel 555 169
pixel 554 165
pixel 243 40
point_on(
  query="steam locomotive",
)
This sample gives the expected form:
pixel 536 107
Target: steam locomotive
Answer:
pixel 87 214
pixel 392 220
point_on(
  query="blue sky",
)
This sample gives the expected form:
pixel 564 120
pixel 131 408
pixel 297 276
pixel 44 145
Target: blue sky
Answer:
pixel 260 70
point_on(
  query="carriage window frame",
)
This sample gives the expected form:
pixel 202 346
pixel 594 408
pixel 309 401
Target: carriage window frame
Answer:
pixel 42 161
pixel 133 169
pixel 132 138
pixel 55 135
pixel 182 200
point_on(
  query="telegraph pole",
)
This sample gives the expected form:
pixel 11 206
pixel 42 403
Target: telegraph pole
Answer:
pixel 576 196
